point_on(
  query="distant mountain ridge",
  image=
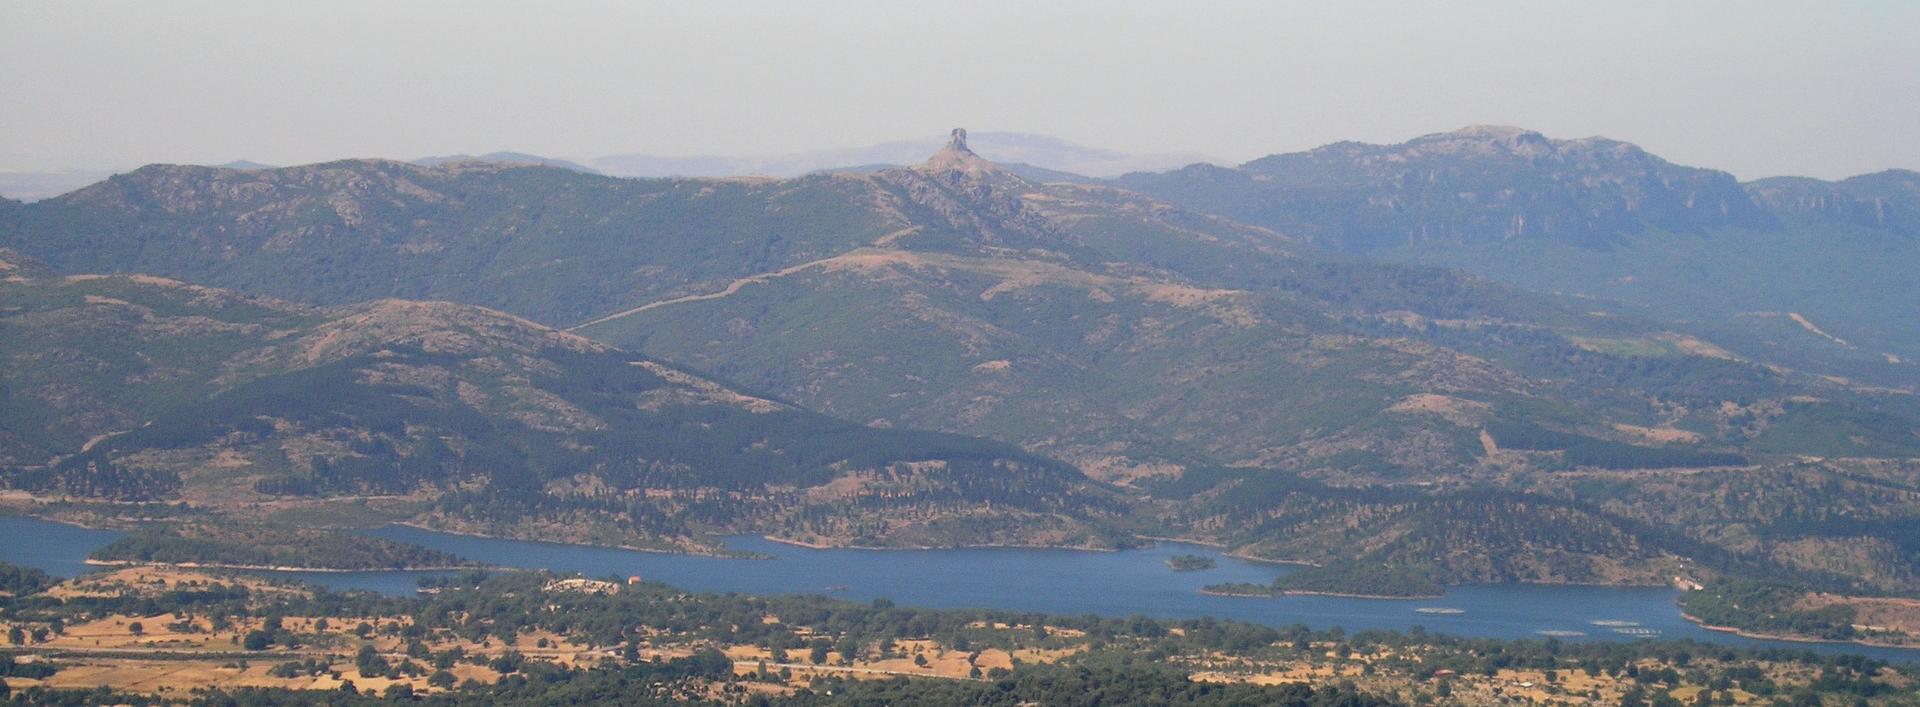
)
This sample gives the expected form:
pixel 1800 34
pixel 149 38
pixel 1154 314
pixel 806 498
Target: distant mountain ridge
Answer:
pixel 1040 151
pixel 33 186
pixel 1239 385
pixel 1601 218
pixel 507 158
pixel 1475 184
pixel 1888 200
pixel 353 230
pixel 1014 306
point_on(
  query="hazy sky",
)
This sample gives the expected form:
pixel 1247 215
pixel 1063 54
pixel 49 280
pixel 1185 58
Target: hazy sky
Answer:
pixel 1757 88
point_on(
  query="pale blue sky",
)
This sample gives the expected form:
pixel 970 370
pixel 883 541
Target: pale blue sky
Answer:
pixel 1757 88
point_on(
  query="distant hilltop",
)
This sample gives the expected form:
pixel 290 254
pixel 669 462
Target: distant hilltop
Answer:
pixel 1005 148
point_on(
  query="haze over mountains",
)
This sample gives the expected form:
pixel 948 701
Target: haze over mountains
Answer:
pixel 1042 151
pixel 1250 353
pixel 505 158
pixel 1590 217
pixel 33 186
pixel 1025 152
pixel 1234 348
pixel 1602 218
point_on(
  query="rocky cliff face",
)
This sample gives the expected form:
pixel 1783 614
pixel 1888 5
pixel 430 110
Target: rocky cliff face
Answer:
pixel 1887 200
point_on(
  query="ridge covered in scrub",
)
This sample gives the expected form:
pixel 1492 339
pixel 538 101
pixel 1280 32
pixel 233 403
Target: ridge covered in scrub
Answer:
pixel 1094 364
pixel 135 388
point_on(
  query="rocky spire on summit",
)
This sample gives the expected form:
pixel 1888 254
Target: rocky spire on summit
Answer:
pixel 956 157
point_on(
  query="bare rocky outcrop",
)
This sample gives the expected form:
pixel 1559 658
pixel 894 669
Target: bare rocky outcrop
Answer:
pixel 1887 200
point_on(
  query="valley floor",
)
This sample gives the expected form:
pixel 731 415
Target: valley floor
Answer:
pixel 181 651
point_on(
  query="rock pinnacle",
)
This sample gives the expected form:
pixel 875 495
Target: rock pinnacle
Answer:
pixel 956 157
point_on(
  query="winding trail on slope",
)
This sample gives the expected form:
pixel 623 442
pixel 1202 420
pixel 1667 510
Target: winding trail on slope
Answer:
pixel 1809 326
pixel 731 288
pixel 1012 273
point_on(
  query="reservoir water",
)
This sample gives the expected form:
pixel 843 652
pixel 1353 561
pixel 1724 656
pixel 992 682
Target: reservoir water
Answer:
pixel 1052 581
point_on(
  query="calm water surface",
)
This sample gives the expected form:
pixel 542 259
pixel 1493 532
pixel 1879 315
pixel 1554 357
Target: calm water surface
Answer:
pixel 1051 581
pixel 56 548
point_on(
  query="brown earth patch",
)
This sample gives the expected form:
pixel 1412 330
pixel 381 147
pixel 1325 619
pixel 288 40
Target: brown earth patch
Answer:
pixel 1659 435
pixel 1456 410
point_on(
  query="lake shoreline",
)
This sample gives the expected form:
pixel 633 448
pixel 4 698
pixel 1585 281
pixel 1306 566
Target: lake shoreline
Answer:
pixel 630 548
pixel 27 513
pixel 1235 554
pixel 1243 555
pixel 1311 593
pixel 276 568
pixel 1350 595
pixel 1183 541
pixel 921 548
pixel 1108 584
pixel 727 554
pixel 1744 633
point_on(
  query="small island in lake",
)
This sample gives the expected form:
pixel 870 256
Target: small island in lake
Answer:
pixel 1344 579
pixel 1190 563
pixel 1361 579
pixel 268 547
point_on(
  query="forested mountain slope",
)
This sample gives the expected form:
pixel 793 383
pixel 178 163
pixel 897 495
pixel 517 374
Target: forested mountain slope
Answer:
pixel 139 388
pixel 546 243
pixel 1116 331
pixel 1123 334
pixel 1429 416
pixel 1809 272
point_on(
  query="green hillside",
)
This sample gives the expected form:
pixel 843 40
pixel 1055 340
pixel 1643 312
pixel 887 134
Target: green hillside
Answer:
pixel 1749 265
pixel 1444 424
pixel 142 389
pixel 1127 336
pixel 499 235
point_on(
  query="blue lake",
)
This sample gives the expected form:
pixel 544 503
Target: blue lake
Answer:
pixel 1050 581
